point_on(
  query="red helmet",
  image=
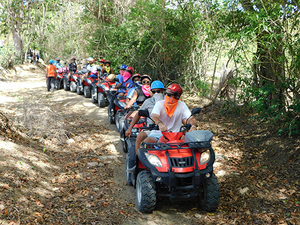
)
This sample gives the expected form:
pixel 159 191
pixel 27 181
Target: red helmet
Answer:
pixel 73 58
pixel 175 89
pixel 107 61
pixel 136 75
pixel 102 60
pixel 130 70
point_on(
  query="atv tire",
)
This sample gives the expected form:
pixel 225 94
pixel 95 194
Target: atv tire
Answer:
pixel 101 100
pixel 111 118
pixel 87 91
pixel 117 120
pixel 66 85
pixel 57 85
pixel 73 86
pixel 210 194
pixel 128 175
pixel 79 92
pixel 145 192
pixel 94 96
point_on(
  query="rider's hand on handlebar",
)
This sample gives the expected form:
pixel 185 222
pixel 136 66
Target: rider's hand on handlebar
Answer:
pixel 162 127
pixel 128 133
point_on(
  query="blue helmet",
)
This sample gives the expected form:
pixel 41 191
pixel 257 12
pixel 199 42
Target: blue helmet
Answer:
pixel 123 67
pixel 157 84
pixel 50 61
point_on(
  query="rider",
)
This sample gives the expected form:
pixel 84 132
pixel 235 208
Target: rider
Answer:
pixel 107 69
pixel 157 88
pixel 57 63
pixel 122 70
pixel 50 75
pixel 136 78
pixel 170 113
pixel 73 65
pixel 125 81
pixel 91 68
pixel 141 93
pixel 102 61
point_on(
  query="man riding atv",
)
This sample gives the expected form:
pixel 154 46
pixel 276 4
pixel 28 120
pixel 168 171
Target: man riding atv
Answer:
pixel 157 88
pixel 107 69
pixel 170 113
pixel 73 65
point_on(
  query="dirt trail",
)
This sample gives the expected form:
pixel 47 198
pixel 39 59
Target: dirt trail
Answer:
pixel 73 172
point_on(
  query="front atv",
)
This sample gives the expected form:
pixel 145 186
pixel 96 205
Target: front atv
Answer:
pixel 175 168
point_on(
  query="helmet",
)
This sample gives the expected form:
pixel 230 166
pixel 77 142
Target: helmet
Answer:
pixel 157 84
pixel 58 59
pixel 111 77
pixel 175 89
pixel 50 61
pixel 146 76
pixel 130 69
pixel 73 58
pixel 101 60
pixel 91 59
pixel 123 67
pixel 136 75
pixel 107 61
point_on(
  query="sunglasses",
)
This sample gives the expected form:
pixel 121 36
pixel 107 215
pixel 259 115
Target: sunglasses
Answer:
pixel 145 82
pixel 171 94
pixel 159 91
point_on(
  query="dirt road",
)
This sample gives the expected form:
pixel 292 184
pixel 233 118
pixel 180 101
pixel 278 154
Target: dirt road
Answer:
pixel 72 170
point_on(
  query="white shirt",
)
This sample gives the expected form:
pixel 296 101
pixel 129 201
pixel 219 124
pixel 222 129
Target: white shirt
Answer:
pixel 92 68
pixel 174 122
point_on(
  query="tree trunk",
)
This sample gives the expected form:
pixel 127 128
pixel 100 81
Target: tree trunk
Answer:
pixel 17 41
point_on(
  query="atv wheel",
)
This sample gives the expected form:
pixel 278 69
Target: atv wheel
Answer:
pixel 94 96
pixel 73 86
pixel 87 91
pixel 123 141
pixel 210 194
pixel 145 192
pixel 101 100
pixel 57 84
pixel 117 120
pixel 128 175
pixel 66 85
pixel 79 92
pixel 111 117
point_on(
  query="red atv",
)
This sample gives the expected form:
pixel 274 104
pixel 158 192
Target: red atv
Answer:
pixel 175 168
pixel 69 81
pixel 116 104
pixel 79 85
pixel 124 123
pixel 101 90
pixel 62 72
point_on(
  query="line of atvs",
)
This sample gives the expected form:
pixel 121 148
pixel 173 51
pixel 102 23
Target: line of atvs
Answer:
pixel 179 166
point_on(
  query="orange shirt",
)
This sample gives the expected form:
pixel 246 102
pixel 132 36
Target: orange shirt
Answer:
pixel 51 70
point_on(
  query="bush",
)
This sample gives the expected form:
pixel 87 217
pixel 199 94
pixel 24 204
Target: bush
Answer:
pixel 203 88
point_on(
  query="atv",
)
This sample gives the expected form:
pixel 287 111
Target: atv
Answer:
pixel 100 91
pixel 62 72
pixel 70 77
pixel 116 103
pixel 79 85
pixel 124 123
pixel 174 168
pixel 73 80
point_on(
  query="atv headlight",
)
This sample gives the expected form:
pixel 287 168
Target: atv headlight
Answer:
pixel 153 159
pixel 205 157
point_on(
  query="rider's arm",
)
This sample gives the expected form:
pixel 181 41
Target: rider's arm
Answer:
pixel 158 122
pixel 193 122
pixel 132 100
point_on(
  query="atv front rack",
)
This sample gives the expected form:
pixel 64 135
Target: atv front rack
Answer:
pixel 201 145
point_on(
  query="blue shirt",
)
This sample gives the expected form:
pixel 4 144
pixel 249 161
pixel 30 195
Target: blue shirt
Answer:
pixel 125 85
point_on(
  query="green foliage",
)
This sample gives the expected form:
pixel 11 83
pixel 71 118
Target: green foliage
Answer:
pixel 203 88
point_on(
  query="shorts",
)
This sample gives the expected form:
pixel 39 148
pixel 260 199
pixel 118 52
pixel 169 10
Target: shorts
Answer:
pixel 147 132
pixel 155 134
